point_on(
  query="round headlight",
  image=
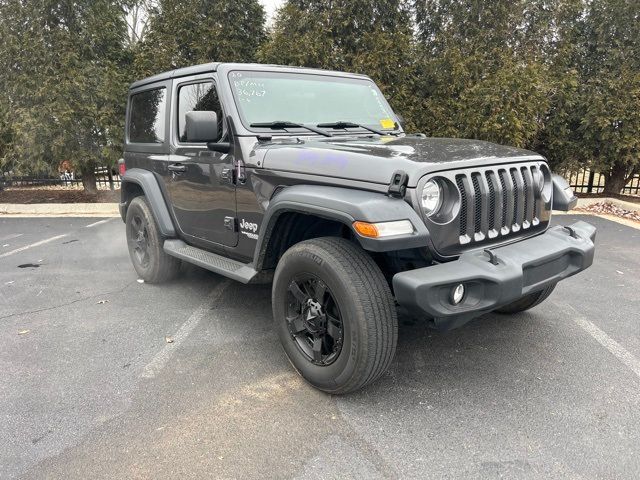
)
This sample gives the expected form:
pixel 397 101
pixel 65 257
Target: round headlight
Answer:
pixel 544 182
pixel 431 198
pixel 539 181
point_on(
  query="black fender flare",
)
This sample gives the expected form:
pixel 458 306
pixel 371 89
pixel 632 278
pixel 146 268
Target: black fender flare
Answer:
pixel 149 185
pixel 345 206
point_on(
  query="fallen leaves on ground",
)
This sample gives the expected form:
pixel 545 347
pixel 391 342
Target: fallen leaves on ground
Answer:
pixel 23 332
pixel 611 209
pixel 168 339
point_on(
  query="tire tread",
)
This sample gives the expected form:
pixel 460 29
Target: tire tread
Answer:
pixel 164 267
pixel 373 295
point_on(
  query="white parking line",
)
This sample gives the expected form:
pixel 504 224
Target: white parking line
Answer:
pixel 10 237
pixel 160 360
pixel 603 339
pixel 98 223
pixel 36 244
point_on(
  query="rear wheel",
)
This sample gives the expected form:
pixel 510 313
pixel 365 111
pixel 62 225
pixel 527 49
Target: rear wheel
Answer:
pixel 334 314
pixel 527 302
pixel 145 244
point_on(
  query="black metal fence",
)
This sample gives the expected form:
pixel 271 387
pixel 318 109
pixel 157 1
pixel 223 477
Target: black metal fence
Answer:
pixel 582 181
pixel 105 179
pixel 587 181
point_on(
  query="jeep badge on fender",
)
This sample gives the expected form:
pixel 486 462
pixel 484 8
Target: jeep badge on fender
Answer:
pixel 306 179
pixel 249 229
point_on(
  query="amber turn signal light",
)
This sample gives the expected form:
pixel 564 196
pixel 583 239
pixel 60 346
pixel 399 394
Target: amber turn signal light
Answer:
pixel 383 229
pixel 366 229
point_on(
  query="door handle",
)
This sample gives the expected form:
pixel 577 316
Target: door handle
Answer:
pixel 177 167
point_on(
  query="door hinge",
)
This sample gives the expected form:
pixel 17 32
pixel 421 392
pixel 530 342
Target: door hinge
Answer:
pixel 230 224
pixel 239 174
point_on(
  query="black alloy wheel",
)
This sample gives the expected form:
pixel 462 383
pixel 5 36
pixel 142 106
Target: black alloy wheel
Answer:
pixel 145 244
pixel 334 314
pixel 314 319
pixel 139 239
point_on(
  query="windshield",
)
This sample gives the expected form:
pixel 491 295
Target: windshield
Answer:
pixel 311 99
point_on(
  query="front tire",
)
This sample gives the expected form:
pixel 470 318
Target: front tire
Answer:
pixel 334 313
pixel 145 244
pixel 527 302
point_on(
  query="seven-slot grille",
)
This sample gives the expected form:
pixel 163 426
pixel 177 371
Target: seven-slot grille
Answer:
pixel 498 201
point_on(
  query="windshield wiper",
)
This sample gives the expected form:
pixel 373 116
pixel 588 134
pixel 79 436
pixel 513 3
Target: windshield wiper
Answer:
pixel 345 125
pixel 282 124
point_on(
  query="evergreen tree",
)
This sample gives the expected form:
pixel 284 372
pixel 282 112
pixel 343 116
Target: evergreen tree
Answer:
pixel 64 80
pixel 484 74
pixel 609 93
pixel 362 36
pixel 559 76
pixel 184 33
pixel 559 138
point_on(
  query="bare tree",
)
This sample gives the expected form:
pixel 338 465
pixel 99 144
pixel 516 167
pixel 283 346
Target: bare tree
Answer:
pixel 137 17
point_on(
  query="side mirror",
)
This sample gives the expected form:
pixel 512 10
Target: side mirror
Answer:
pixel 201 126
pixel 220 147
pixel 563 196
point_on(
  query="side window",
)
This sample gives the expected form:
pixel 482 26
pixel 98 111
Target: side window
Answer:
pixel 146 120
pixel 197 97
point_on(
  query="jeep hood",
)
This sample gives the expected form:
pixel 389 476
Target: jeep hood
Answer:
pixel 374 158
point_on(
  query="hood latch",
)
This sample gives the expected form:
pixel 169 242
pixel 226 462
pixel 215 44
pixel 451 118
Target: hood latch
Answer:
pixel 398 184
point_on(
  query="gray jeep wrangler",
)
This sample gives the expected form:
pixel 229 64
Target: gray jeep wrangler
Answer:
pixel 305 178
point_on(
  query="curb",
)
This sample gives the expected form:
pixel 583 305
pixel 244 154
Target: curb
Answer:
pixel 60 209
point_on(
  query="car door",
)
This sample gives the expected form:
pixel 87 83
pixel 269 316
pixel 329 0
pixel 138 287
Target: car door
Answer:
pixel 200 182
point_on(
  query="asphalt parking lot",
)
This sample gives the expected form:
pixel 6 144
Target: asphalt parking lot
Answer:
pixel 90 388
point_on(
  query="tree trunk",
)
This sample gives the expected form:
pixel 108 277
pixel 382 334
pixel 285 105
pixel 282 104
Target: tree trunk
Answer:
pixel 614 180
pixel 89 179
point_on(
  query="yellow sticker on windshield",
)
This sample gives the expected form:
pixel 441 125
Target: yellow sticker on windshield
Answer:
pixel 387 123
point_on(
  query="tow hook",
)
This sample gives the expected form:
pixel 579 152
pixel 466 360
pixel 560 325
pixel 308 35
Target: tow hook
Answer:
pixel 572 232
pixel 493 258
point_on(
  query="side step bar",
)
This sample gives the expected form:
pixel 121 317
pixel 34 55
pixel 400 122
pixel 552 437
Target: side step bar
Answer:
pixel 242 272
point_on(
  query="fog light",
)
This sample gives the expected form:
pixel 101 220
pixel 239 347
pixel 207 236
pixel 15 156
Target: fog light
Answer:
pixel 457 294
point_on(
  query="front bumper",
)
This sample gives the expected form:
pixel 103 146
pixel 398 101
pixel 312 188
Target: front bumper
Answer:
pixel 522 267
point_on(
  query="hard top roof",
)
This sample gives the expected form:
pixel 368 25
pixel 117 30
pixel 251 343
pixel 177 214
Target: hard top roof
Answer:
pixel 213 66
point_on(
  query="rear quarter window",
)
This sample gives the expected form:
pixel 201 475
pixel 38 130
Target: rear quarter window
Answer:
pixel 147 116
